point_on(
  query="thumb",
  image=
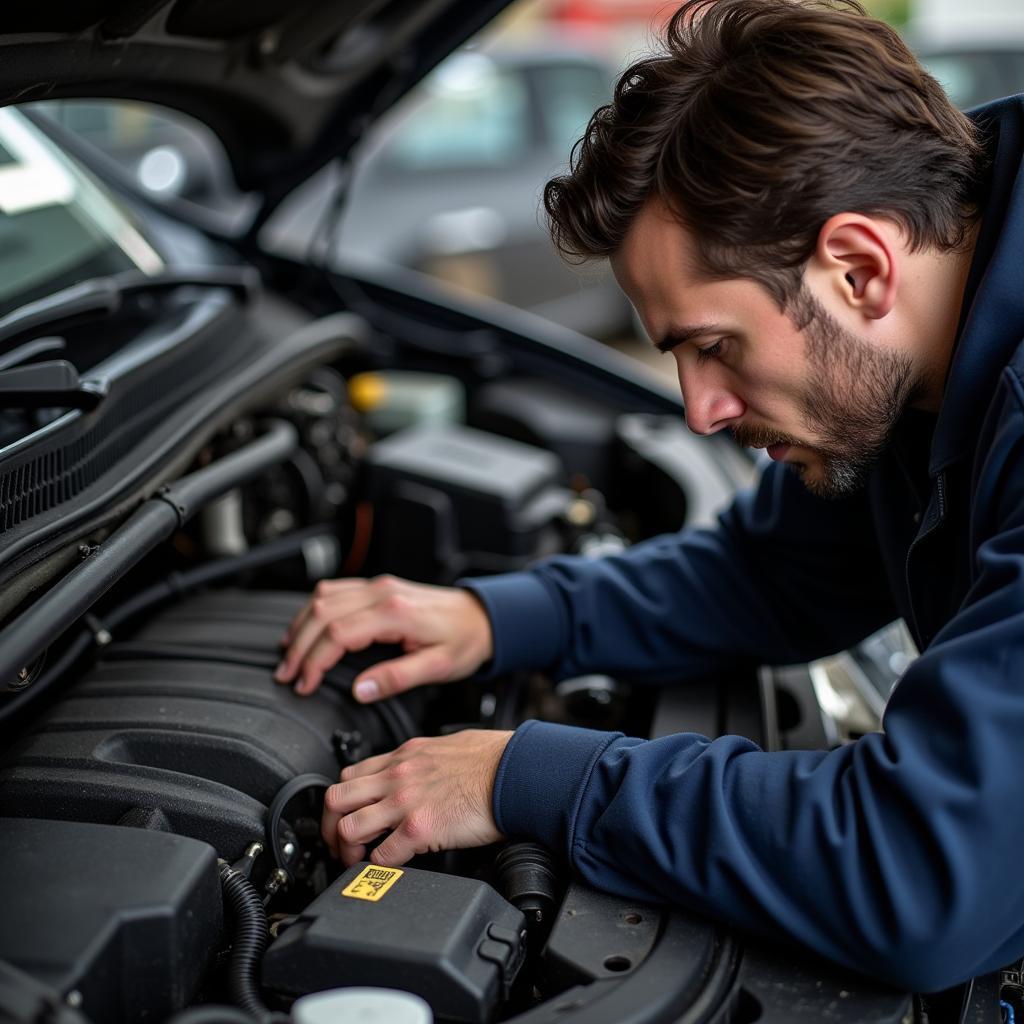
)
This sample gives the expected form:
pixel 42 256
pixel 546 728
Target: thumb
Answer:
pixel 387 678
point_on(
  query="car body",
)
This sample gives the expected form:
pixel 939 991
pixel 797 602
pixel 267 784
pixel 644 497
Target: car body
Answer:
pixel 188 440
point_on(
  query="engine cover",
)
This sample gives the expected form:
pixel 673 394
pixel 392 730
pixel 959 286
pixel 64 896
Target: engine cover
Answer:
pixel 183 729
pixel 122 920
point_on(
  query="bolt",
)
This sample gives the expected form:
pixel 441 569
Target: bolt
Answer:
pixel 73 998
pixel 288 849
pixel 278 878
pixel 254 850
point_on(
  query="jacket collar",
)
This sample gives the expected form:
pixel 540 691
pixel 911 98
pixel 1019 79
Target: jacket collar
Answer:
pixel 992 325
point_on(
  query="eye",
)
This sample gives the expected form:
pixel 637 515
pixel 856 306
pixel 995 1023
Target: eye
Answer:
pixel 710 352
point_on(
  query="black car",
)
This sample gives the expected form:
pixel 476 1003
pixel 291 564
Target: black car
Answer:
pixel 192 432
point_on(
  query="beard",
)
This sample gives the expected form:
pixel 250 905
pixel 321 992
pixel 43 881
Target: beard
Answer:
pixel 851 404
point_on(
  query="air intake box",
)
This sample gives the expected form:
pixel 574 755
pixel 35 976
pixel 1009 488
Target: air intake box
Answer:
pixel 451 940
pixel 451 499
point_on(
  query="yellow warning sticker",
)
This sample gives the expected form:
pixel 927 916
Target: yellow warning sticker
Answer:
pixel 371 883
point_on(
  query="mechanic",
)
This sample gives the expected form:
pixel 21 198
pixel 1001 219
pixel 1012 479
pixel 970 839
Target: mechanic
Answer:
pixel 832 254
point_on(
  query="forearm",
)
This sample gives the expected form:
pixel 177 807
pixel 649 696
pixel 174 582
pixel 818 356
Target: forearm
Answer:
pixel 896 855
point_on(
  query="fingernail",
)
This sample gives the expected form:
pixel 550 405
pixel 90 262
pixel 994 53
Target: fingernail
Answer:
pixel 279 673
pixel 367 690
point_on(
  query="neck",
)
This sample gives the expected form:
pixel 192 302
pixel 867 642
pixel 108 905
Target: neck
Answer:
pixel 938 281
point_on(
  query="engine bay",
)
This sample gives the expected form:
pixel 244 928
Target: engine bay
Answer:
pixel 161 795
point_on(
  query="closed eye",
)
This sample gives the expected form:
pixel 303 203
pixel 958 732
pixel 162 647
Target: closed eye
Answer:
pixel 710 352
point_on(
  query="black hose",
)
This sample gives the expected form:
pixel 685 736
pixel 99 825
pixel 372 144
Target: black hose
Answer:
pixel 175 585
pixel 282 798
pixel 22 640
pixel 249 920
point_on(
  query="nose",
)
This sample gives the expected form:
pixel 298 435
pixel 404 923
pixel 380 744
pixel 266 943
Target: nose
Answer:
pixel 710 403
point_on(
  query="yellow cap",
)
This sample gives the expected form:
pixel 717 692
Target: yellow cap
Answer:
pixel 367 390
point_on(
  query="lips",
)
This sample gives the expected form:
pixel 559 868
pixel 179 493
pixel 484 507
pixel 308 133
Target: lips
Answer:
pixel 777 451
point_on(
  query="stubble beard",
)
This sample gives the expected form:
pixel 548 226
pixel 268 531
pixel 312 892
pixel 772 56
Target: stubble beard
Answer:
pixel 850 405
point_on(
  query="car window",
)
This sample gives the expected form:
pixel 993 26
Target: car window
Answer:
pixel 970 78
pixel 571 95
pixel 470 113
pixel 168 153
pixel 57 226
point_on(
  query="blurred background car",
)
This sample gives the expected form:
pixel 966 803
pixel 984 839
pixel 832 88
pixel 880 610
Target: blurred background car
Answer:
pixel 449 182
pixel 975 50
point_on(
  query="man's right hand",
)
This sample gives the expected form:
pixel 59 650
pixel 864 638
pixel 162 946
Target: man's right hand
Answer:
pixel 444 630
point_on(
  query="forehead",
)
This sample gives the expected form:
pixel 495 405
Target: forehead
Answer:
pixel 657 266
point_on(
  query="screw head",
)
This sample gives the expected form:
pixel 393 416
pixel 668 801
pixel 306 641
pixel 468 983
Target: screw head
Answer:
pixel 288 849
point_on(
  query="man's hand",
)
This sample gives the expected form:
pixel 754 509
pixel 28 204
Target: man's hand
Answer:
pixel 444 630
pixel 432 794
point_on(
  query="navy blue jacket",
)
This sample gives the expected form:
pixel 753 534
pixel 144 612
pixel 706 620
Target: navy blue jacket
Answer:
pixel 900 854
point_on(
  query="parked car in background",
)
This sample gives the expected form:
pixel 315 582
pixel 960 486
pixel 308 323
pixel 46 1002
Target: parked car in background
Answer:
pixel 449 184
pixel 975 50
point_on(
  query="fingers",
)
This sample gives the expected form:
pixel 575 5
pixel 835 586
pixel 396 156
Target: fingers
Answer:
pixel 346 616
pixel 325 588
pixel 322 635
pixel 326 605
pixel 357 811
pixel 344 798
pixel 405 842
pixel 350 855
pixel 429 794
pixel 388 678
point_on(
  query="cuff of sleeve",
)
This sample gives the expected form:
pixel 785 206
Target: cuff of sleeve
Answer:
pixel 541 780
pixel 525 620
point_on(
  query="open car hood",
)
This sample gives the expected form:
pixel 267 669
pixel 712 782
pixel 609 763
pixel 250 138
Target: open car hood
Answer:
pixel 286 84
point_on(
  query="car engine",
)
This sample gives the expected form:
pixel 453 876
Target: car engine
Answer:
pixel 161 795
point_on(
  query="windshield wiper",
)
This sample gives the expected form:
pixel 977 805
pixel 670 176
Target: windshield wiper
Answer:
pixel 51 384
pixel 104 295
pixel 30 351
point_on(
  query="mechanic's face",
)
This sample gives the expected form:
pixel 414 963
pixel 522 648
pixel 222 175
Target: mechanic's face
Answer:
pixel 799 384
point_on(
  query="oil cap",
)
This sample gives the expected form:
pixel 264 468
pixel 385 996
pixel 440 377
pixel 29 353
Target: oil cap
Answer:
pixel 361 1006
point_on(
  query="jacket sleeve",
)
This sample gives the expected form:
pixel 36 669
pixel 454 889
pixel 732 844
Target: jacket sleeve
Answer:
pixel 785 577
pixel 898 855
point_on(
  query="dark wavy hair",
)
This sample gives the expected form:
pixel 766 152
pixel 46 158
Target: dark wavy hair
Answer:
pixel 761 120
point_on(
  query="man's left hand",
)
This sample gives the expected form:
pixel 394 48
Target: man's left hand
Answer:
pixel 431 794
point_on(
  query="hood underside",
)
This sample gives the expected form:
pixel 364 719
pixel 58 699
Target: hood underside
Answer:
pixel 286 84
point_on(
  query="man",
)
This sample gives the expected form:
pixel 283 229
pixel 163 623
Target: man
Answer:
pixel 830 253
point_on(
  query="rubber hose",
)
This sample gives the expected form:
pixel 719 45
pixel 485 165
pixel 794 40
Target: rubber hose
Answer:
pixel 249 940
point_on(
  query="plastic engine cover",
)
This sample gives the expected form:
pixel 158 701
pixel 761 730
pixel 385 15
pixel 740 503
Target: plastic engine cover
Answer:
pixel 125 917
pixel 451 940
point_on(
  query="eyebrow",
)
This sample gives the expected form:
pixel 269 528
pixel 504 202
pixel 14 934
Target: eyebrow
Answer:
pixel 681 335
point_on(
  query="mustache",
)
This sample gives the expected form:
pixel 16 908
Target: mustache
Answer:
pixel 762 437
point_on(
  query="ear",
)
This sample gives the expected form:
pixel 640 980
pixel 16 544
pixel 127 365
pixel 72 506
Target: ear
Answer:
pixel 858 257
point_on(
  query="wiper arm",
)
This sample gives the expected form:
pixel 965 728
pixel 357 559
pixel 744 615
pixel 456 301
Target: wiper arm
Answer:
pixel 54 383
pixel 105 295
pixel 31 350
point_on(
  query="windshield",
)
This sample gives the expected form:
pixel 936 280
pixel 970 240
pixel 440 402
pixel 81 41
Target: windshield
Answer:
pixel 57 226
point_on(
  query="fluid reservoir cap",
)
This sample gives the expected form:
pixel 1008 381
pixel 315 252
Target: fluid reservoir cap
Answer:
pixel 361 1006
pixel 367 390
